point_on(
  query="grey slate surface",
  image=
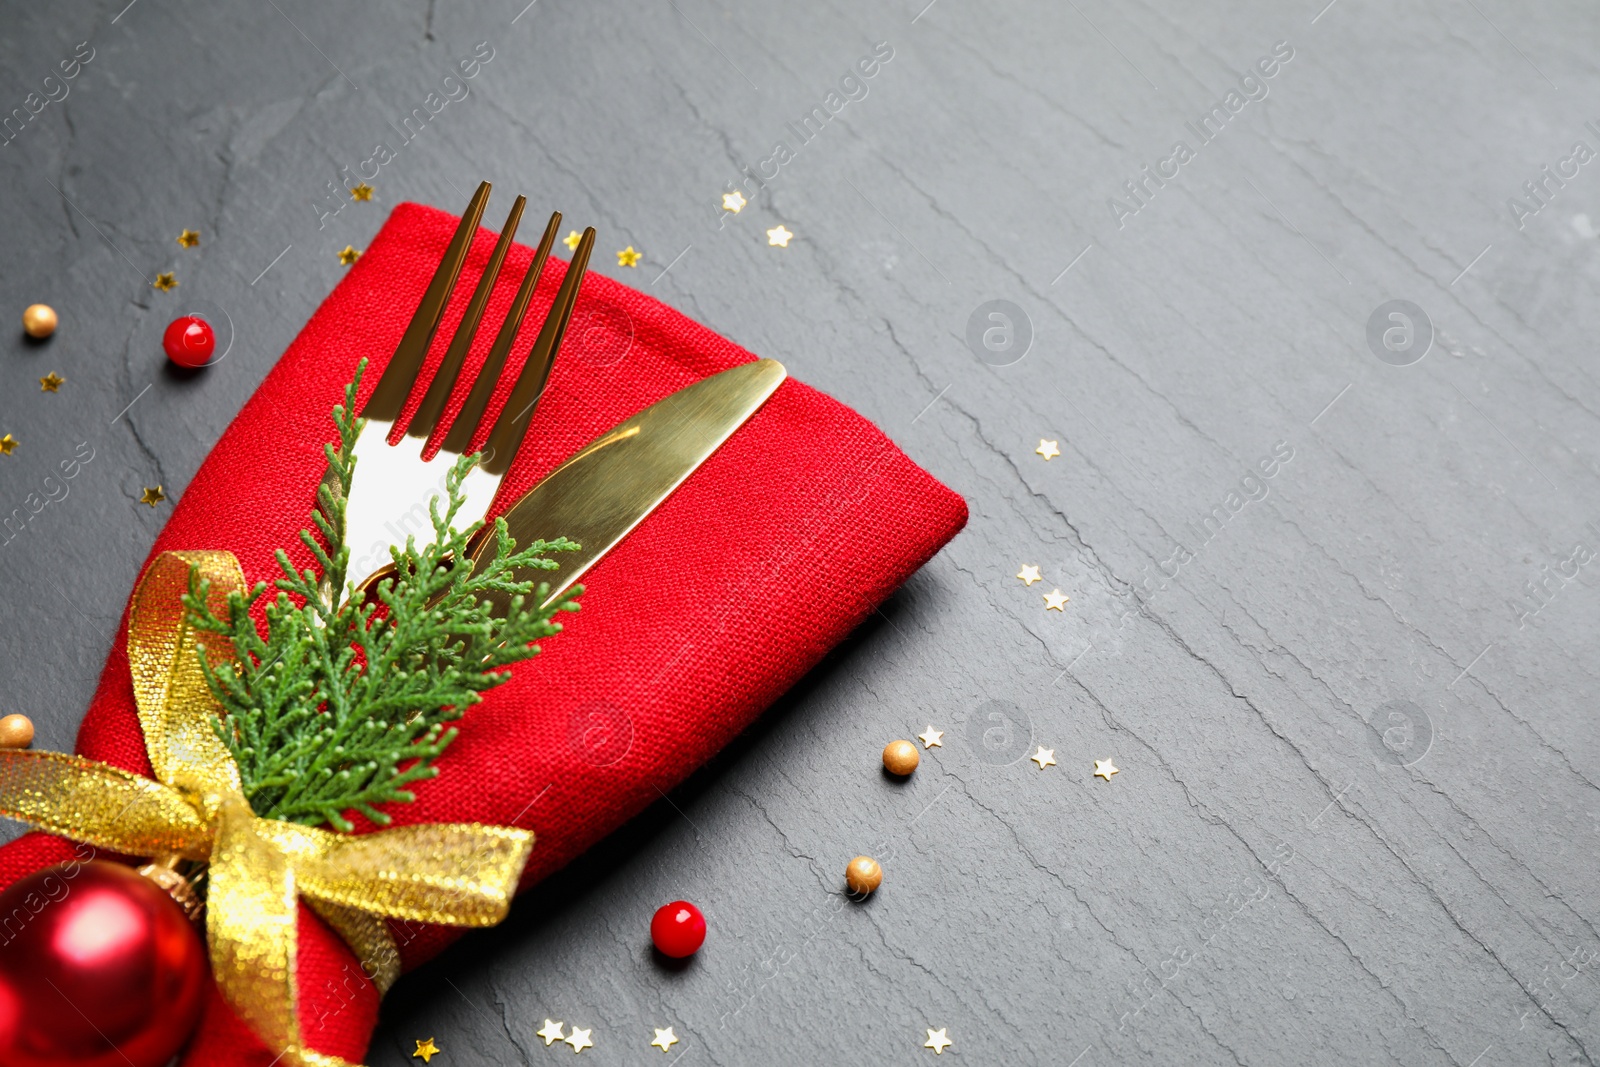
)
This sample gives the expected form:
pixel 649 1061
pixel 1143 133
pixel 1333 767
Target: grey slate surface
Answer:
pixel 1356 815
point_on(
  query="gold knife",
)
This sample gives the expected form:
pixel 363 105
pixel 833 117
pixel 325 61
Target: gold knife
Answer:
pixel 598 496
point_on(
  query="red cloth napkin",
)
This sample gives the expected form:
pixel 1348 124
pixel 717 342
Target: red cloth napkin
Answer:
pixel 780 544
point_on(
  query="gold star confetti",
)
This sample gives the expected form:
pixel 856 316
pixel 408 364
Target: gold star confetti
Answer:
pixel 7 443
pixel 938 1040
pixel 628 257
pixel 166 281
pixel 778 237
pixel 571 240
pixel 1055 600
pixel 579 1039
pixel 665 1039
pixel 361 192
pixel 931 738
pixel 189 238
pixel 733 201
pixel 152 496
pixel 1044 757
pixel 1029 574
pixel 348 255
pixel 551 1033
pixel 426 1050
pixel 1048 449
pixel 1103 769
pixel 51 382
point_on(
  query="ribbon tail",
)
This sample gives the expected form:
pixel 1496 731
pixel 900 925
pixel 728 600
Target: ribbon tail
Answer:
pixel 100 805
pixel 309 1058
pixel 368 937
pixel 251 912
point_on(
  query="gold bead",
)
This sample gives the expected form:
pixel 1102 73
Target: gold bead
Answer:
pixel 16 731
pixel 863 875
pixel 900 757
pixel 39 320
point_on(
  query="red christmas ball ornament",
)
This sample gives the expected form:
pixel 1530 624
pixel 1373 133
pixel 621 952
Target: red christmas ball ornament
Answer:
pixel 678 929
pixel 189 341
pixel 101 969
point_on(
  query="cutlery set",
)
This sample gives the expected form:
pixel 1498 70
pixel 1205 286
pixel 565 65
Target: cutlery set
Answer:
pixel 595 498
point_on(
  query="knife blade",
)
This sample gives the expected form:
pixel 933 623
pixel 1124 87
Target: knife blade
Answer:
pixel 597 497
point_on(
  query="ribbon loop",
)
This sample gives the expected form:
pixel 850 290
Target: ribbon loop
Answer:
pixel 452 873
pixel 176 708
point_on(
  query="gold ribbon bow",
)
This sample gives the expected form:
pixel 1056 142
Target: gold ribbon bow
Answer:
pixel 456 874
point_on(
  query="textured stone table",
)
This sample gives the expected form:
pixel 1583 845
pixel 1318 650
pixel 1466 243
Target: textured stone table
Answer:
pixel 1352 702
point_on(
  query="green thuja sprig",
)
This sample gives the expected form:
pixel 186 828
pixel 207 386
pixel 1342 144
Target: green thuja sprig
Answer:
pixel 344 703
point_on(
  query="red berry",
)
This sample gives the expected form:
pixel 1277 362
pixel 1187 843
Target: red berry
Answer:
pixel 678 929
pixel 189 341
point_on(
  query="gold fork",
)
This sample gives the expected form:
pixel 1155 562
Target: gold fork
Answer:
pixel 393 485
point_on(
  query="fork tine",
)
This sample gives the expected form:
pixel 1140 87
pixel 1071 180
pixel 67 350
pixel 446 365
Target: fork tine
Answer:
pixel 444 379
pixel 394 388
pixel 472 412
pixel 506 437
